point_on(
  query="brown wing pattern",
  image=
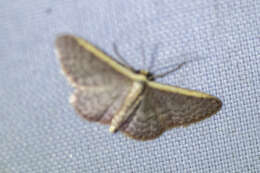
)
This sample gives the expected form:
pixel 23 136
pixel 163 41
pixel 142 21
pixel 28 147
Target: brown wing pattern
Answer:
pixel 175 109
pixel 82 67
pixel 143 123
pixel 99 104
pixel 162 110
pixel 100 89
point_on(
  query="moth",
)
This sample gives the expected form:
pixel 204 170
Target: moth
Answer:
pixel 110 92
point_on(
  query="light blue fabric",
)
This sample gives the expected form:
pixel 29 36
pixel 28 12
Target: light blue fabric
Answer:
pixel 39 130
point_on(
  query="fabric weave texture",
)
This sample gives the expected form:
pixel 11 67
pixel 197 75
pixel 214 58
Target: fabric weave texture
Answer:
pixel 40 131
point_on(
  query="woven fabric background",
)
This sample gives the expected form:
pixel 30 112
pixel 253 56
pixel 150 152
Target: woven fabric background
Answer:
pixel 39 130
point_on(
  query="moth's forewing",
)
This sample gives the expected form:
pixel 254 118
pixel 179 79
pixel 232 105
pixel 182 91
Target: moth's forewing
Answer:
pixel 178 106
pixel 86 66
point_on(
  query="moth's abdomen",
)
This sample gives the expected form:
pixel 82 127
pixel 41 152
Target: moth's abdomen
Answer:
pixel 132 99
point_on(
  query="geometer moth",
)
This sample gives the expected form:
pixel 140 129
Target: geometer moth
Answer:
pixel 130 101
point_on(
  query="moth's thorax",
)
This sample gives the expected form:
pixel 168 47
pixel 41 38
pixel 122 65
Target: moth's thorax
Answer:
pixel 144 75
pixel 143 72
pixel 132 99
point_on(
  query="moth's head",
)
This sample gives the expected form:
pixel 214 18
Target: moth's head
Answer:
pixel 147 74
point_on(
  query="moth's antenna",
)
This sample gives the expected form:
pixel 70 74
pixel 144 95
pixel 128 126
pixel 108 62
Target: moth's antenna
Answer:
pixel 153 58
pixel 143 53
pixel 119 56
pixel 170 71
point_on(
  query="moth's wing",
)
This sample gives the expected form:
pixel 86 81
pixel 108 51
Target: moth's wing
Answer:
pixel 99 104
pixel 85 65
pixel 180 107
pixel 143 122
pixel 100 81
pixel 165 107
